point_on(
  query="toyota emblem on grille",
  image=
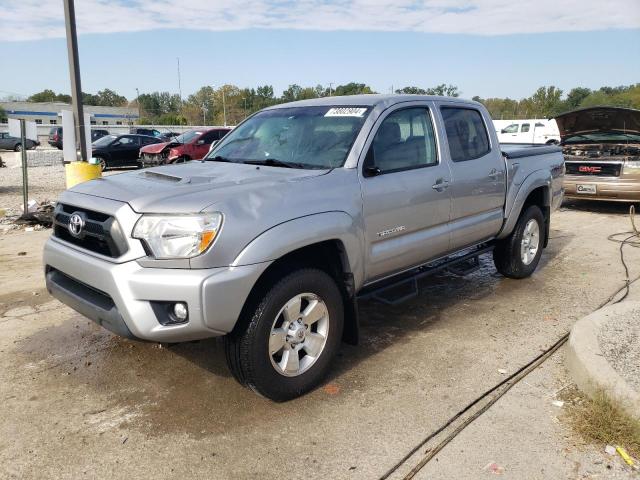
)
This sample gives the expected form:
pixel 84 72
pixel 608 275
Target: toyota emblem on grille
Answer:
pixel 76 224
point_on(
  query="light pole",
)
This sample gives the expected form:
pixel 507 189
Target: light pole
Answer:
pixel 244 101
pixel 74 72
pixel 138 102
pixel 224 107
pixel 204 114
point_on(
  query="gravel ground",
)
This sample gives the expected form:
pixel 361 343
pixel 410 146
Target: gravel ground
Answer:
pixel 620 343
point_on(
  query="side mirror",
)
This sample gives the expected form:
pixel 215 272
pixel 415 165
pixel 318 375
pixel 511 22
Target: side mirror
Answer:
pixel 503 131
pixel 200 142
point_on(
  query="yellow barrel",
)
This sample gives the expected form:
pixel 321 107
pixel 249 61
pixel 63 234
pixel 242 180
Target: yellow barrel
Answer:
pixel 78 172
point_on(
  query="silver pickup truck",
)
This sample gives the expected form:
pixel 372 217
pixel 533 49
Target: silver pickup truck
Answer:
pixel 301 209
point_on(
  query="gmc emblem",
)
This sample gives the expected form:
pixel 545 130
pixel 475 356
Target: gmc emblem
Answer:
pixel 589 169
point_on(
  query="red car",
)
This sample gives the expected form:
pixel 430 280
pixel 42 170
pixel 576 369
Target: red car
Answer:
pixel 191 145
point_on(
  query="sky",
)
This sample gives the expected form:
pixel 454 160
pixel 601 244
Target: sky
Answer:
pixel 490 48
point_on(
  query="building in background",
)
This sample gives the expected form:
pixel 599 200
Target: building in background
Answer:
pixel 49 113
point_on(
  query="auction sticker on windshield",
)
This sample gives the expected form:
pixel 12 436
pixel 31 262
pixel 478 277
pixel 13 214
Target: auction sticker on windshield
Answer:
pixel 588 188
pixel 346 112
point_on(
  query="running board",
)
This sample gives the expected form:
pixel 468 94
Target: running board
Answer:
pixel 404 286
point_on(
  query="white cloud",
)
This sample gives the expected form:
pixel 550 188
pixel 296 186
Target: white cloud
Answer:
pixel 40 19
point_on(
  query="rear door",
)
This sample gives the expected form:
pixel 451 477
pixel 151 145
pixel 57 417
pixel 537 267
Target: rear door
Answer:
pixel 406 192
pixel 478 175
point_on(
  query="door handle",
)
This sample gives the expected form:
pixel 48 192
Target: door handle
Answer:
pixel 495 173
pixel 440 185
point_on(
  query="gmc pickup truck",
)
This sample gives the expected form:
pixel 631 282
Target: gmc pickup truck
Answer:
pixel 304 207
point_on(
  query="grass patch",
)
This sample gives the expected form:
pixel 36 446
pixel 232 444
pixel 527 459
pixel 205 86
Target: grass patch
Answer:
pixel 603 421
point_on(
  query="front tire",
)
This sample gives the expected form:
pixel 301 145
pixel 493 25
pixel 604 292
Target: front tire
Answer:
pixel 517 256
pixel 103 164
pixel 292 334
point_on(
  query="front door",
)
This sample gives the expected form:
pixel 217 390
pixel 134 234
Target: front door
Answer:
pixel 406 193
pixel 478 177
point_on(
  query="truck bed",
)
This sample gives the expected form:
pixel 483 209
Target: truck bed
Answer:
pixel 519 150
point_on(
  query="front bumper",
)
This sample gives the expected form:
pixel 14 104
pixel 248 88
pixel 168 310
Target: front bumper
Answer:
pixel 118 296
pixel 615 189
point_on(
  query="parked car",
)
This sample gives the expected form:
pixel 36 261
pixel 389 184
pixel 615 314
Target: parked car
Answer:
pixel 191 145
pixel 532 131
pixel 7 142
pixel 602 152
pixel 55 136
pixel 117 151
pixel 299 210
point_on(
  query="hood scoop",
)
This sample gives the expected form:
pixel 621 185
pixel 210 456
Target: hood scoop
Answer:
pixel 163 177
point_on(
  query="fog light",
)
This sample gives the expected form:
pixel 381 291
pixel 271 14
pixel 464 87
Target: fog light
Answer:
pixel 180 311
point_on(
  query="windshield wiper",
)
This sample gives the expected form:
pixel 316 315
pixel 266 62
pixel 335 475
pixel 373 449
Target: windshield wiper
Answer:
pixel 274 162
pixel 217 158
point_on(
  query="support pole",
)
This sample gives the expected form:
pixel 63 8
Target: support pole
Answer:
pixel 74 71
pixel 25 180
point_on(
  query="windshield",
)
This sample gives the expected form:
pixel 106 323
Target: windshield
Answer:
pixel 186 137
pixel 304 137
pixel 597 137
pixel 104 141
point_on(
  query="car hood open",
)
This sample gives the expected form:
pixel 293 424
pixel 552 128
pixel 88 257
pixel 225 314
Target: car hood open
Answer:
pixel 598 120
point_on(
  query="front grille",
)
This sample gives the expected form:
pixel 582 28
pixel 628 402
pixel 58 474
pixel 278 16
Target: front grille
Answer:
pixel 101 233
pixel 594 169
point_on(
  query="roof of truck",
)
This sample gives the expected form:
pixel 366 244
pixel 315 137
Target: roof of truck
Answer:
pixel 368 100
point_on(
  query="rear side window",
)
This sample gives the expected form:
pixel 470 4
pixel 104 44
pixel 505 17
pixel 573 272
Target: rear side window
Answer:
pixel 525 127
pixel 405 140
pixel 466 133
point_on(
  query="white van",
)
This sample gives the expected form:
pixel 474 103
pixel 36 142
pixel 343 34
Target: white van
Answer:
pixel 527 131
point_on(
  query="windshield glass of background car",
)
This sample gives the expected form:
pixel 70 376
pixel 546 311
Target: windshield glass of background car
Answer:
pixel 104 141
pixel 316 137
pixel 604 137
pixel 186 137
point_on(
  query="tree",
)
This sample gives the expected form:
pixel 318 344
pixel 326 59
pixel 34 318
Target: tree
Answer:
pixel 352 89
pixel 109 98
pixel 444 90
pixel 3 115
pixel 576 96
pixel 546 102
pixel 412 91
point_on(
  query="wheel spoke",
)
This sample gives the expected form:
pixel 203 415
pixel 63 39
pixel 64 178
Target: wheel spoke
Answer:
pixel 291 311
pixel 314 312
pixel 290 362
pixel 276 340
pixel 313 344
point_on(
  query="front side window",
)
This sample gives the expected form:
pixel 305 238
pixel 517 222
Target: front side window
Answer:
pixel 404 140
pixel 513 128
pixel 466 133
pixel 525 127
pixel 301 137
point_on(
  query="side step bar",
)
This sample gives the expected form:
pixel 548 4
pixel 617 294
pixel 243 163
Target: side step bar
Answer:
pixel 404 286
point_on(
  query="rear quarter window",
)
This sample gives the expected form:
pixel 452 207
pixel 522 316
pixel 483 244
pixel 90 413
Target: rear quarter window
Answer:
pixel 467 135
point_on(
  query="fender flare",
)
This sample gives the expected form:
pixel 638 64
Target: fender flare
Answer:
pixel 534 180
pixel 302 232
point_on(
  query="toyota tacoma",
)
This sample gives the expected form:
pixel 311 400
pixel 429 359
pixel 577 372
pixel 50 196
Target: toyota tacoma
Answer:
pixel 297 212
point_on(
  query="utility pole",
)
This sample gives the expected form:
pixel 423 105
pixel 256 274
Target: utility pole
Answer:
pixel 330 85
pixel 204 114
pixel 74 71
pixel 138 103
pixel 179 81
pixel 244 101
pixel 224 108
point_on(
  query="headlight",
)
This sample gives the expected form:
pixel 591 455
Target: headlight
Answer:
pixel 178 236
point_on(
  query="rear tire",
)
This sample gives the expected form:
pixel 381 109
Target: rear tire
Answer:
pixel 18 147
pixel 517 256
pixel 103 164
pixel 288 338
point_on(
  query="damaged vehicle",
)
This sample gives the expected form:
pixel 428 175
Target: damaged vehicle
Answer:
pixel 601 146
pixel 191 145
pixel 301 210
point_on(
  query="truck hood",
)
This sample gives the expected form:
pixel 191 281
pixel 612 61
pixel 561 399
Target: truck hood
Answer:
pixel 157 147
pixel 192 187
pixel 598 120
